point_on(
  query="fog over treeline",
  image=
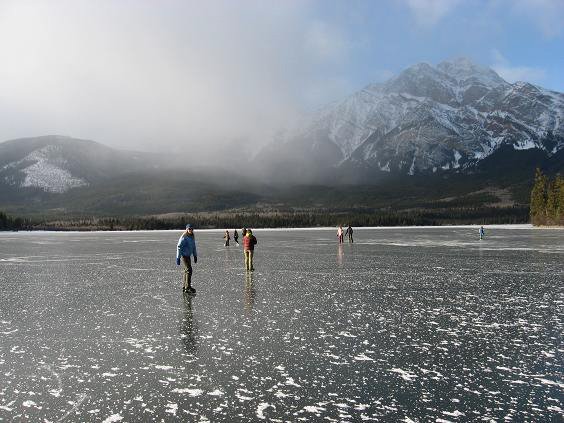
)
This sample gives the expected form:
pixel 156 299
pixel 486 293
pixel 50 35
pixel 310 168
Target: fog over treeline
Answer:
pixel 219 79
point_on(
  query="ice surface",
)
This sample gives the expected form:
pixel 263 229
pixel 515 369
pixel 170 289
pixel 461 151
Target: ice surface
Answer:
pixel 406 324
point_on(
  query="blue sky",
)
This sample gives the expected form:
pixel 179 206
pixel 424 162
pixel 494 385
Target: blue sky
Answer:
pixel 183 74
pixel 521 40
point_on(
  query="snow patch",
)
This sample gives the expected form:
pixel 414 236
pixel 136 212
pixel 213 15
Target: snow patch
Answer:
pixel 113 418
pixel 405 375
pixel 260 409
pixel 189 391
pixel 47 171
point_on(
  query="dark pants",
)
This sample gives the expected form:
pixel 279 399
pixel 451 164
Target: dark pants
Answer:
pixel 187 271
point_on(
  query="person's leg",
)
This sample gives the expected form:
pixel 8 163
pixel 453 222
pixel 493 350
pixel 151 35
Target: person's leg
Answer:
pixel 246 259
pixel 251 267
pixel 187 273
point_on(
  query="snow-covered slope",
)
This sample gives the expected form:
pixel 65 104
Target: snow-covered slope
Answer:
pixel 428 118
pixel 44 168
pixel 57 164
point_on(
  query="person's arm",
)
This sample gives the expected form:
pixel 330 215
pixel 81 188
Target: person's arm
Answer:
pixel 195 252
pixel 178 247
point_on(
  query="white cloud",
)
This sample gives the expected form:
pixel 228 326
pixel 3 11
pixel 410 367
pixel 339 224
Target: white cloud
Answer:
pixel 429 12
pixel 520 73
pixel 515 73
pixel 324 91
pixel 325 42
pixel 382 75
pixel 548 15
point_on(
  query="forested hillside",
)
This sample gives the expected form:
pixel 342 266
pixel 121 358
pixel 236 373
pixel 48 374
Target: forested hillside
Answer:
pixel 547 200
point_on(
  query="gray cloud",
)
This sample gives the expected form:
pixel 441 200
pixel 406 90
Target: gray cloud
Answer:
pixel 152 75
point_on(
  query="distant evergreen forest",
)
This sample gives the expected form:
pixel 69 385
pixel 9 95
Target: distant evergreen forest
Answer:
pixel 546 208
pixel 547 200
pixel 223 220
pixel 10 223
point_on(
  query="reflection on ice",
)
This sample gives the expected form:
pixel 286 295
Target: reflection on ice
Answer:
pixel 419 324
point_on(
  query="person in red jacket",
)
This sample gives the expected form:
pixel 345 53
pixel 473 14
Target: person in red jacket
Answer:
pixel 249 242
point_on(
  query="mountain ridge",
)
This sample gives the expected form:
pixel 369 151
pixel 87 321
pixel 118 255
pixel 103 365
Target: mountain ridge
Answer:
pixel 425 119
pixel 457 128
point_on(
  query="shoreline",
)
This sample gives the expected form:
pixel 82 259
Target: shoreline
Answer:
pixel 520 226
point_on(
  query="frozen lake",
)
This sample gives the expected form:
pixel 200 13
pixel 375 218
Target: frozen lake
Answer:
pixel 409 324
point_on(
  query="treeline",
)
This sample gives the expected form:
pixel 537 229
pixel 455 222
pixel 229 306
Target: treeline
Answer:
pixel 9 223
pixel 547 200
pixel 302 219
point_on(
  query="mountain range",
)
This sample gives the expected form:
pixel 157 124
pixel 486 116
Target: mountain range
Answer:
pixel 455 133
pixel 427 119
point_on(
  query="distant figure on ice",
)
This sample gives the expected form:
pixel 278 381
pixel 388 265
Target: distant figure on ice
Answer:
pixel 226 237
pixel 482 232
pixel 243 233
pixel 349 232
pixel 249 242
pixel 340 234
pixel 187 247
pixel 236 237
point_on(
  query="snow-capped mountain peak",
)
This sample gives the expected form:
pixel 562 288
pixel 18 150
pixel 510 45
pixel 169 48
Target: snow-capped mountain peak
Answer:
pixel 463 69
pixel 425 119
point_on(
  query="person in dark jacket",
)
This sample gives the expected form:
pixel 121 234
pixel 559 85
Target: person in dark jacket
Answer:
pixel 184 250
pixel 236 237
pixel 249 242
pixel 349 232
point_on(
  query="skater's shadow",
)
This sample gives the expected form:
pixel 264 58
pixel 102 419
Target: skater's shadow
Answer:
pixel 189 327
pixel 250 292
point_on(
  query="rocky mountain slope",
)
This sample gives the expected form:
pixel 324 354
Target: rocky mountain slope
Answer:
pixel 426 119
pixel 60 175
pixel 56 164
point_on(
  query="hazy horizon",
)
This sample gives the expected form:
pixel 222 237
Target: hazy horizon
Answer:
pixel 185 77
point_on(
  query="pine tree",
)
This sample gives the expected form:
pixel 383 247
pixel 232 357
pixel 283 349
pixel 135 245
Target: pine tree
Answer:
pixel 538 198
pixel 559 183
pixel 552 202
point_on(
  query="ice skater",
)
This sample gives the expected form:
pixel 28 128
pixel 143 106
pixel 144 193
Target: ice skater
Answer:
pixel 236 237
pixel 226 237
pixel 187 247
pixel 340 234
pixel 482 232
pixel 349 232
pixel 249 242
